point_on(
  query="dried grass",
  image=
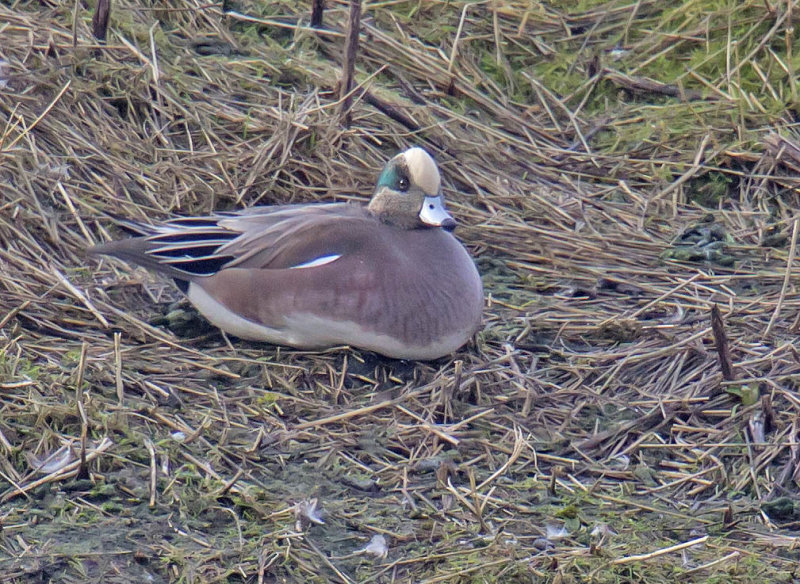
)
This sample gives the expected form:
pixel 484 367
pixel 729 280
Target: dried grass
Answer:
pixel 594 396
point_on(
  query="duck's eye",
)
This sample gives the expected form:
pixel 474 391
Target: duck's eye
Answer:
pixel 402 184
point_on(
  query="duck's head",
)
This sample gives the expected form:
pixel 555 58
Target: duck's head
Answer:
pixel 409 193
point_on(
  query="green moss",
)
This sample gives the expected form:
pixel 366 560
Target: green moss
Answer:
pixel 711 188
pixel 557 73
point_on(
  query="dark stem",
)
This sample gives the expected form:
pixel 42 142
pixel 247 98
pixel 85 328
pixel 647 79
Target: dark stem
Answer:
pixel 317 9
pixel 721 342
pixel 350 52
pixel 100 19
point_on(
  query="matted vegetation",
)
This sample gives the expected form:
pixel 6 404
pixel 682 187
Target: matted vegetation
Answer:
pixel 617 170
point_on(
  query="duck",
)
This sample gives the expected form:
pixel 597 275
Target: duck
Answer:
pixel 389 277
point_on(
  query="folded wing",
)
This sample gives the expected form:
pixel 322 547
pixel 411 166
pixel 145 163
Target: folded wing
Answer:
pixel 265 238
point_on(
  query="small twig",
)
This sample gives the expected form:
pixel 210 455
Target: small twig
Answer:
pixel 404 490
pixel 638 357
pixel 232 14
pixel 475 508
pixel 74 211
pixel 449 390
pixel 646 85
pixel 118 368
pixel 13 312
pixel 345 415
pixel 83 472
pixel 151 450
pixel 529 393
pixel 476 499
pixel 519 443
pixel 430 427
pixel 29 129
pixel 786 277
pixel 81 297
pixel 75 23
pixel 789 469
pixel 390 110
pixel 686 176
pixel 730 556
pixel 784 150
pixel 661 552
pixel 663 296
pixel 555 473
pixel 358 412
pixel 63 473
pixel 769 412
pixel 325 560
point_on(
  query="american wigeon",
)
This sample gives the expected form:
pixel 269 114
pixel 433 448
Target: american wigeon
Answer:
pixel 389 277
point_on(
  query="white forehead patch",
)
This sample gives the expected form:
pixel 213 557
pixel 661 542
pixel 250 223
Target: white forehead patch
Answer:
pixel 423 170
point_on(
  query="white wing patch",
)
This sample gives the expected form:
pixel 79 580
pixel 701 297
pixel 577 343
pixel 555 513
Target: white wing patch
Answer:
pixel 320 261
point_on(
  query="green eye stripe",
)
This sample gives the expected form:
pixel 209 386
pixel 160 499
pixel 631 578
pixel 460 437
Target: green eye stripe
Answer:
pixel 393 177
pixel 388 177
